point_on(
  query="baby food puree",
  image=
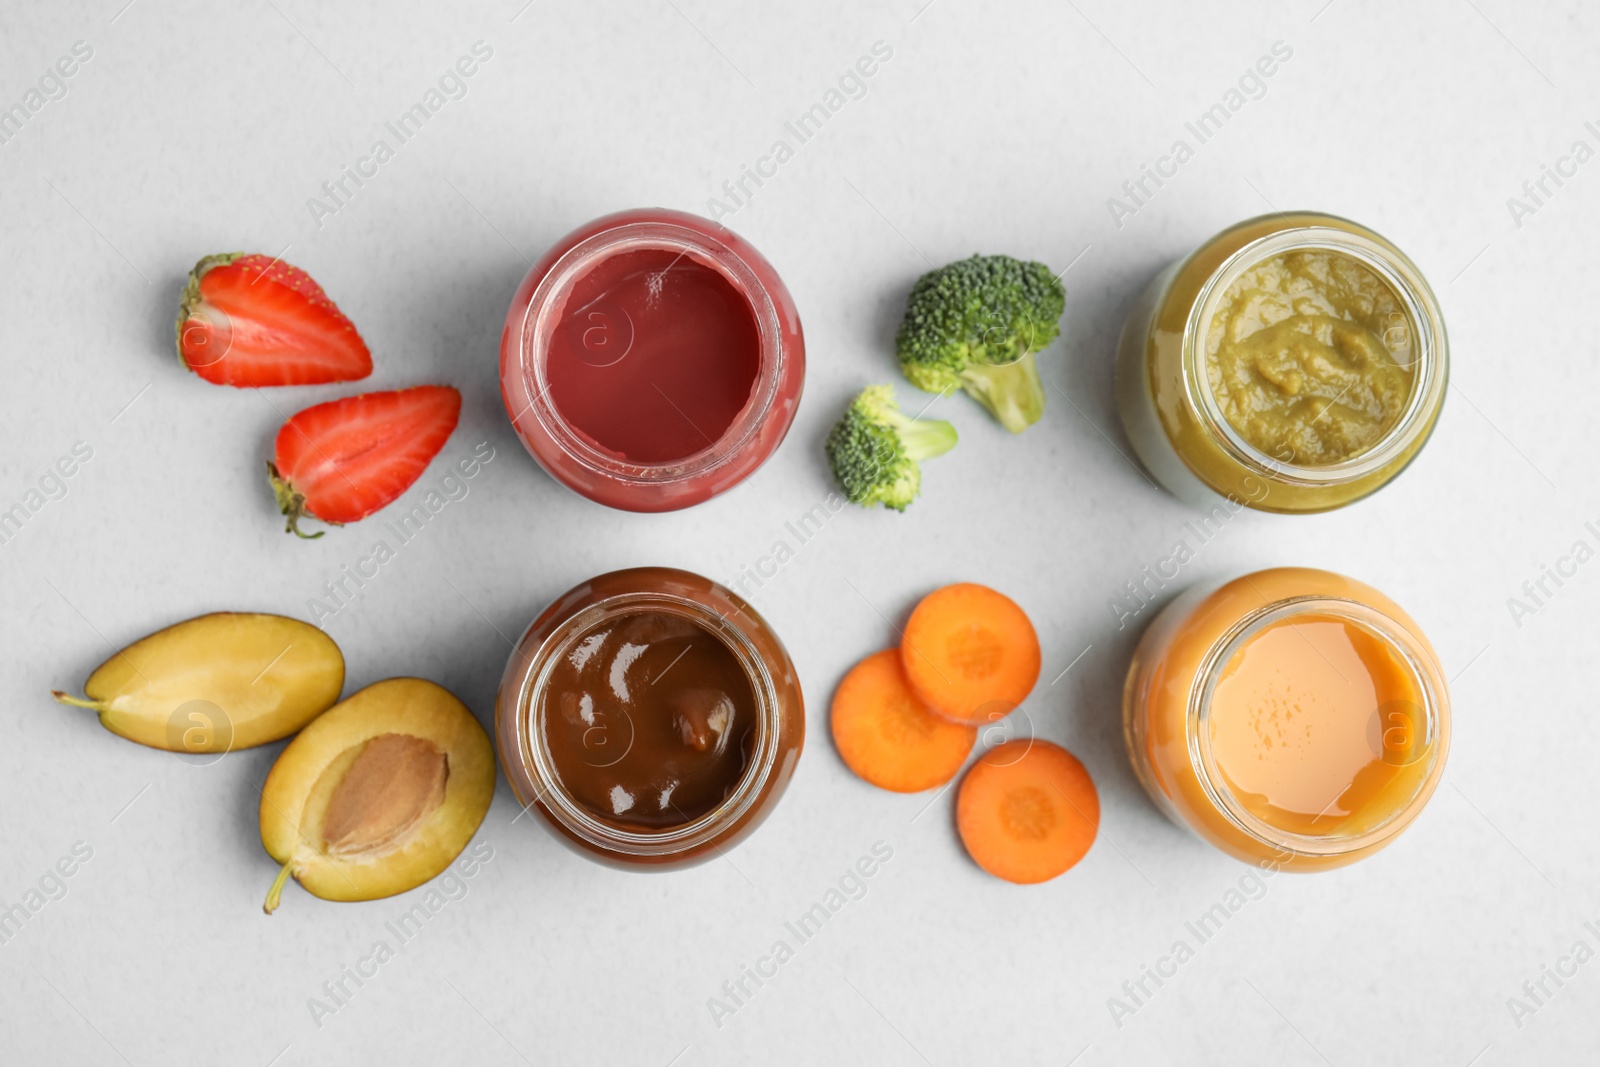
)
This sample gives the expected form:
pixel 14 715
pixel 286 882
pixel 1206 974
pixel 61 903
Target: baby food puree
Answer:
pixel 1309 357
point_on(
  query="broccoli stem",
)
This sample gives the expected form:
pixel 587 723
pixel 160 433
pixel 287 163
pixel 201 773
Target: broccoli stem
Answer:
pixel 924 439
pixel 1013 392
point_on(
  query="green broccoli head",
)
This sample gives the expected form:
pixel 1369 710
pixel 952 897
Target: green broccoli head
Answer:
pixel 875 450
pixel 976 325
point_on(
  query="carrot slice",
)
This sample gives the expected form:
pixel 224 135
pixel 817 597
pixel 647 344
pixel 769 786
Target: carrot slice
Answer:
pixel 970 653
pixel 889 737
pixel 1027 811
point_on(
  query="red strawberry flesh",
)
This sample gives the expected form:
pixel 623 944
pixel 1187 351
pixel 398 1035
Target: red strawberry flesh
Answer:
pixel 252 320
pixel 343 460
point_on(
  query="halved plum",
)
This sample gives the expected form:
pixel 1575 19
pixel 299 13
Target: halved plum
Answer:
pixel 379 794
pixel 217 682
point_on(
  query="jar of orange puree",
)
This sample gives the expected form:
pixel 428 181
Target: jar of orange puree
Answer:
pixel 1293 718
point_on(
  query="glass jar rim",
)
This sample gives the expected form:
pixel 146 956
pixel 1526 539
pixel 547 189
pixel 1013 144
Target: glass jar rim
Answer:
pixel 549 298
pixel 1418 659
pixel 558 802
pixel 1402 278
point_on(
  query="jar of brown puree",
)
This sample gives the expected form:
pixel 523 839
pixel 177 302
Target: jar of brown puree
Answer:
pixel 651 717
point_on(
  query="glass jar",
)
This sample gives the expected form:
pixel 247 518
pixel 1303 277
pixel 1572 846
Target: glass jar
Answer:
pixel 635 410
pixel 1198 443
pixel 534 767
pixel 1291 717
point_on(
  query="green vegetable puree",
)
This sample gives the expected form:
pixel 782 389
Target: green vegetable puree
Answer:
pixel 1309 356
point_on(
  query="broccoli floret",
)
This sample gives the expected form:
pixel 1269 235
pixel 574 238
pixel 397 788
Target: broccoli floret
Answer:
pixel 976 325
pixel 876 450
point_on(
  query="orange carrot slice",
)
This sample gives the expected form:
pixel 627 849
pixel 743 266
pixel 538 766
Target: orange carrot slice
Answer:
pixel 889 737
pixel 1027 811
pixel 970 653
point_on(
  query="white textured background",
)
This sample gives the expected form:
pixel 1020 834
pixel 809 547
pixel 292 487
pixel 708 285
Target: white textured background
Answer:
pixel 198 128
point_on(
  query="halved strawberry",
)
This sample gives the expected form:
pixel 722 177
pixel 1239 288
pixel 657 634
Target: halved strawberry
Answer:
pixel 250 320
pixel 345 459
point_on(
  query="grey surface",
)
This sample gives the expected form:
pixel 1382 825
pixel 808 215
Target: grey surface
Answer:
pixel 195 129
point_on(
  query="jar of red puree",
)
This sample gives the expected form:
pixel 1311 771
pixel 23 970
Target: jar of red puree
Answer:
pixel 651 717
pixel 651 360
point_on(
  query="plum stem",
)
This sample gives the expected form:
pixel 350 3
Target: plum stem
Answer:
pixel 276 892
